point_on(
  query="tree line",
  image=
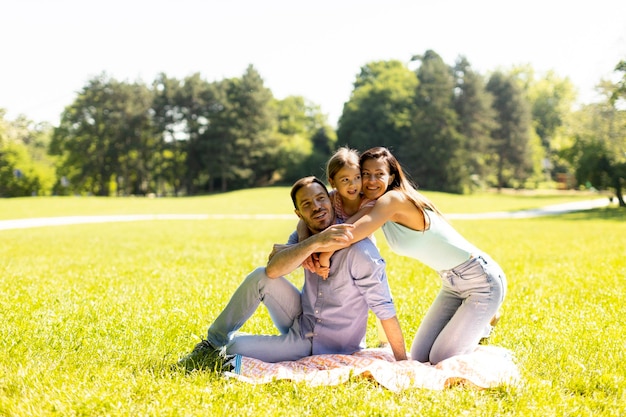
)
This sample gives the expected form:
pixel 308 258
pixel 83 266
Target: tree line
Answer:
pixel 452 128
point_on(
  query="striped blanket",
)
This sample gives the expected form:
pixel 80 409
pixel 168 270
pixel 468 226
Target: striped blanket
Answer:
pixel 487 367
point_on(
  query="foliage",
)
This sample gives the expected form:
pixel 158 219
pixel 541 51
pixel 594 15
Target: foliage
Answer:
pixel 380 107
pixel 433 154
pixel 477 120
pixel 447 128
pixel 452 128
pixel 185 136
pixel 620 88
pixel 511 137
pixel 305 141
pixel 94 315
pixel 25 167
pixel 106 137
pixel 598 148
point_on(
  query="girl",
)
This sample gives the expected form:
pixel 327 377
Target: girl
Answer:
pixel 344 176
pixel 473 285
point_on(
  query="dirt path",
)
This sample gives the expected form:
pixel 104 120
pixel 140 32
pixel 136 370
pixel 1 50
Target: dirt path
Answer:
pixel 68 220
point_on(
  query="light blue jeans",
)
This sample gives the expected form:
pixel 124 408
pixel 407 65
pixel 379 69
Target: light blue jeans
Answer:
pixel 459 317
pixel 284 305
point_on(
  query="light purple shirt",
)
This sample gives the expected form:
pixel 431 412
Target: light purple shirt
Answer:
pixel 334 311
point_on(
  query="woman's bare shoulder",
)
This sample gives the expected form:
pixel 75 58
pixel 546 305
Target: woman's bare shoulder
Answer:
pixel 394 197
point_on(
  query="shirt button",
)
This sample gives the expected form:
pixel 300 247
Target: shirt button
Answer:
pixel 320 294
pixel 317 311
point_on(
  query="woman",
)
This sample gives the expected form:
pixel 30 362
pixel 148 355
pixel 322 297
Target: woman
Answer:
pixel 473 285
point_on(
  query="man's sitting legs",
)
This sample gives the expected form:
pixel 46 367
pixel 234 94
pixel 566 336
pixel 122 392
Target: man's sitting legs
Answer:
pixel 283 302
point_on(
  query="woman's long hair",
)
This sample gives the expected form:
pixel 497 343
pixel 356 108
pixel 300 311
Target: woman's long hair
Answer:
pixel 400 182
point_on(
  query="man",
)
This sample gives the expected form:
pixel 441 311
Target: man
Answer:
pixel 328 316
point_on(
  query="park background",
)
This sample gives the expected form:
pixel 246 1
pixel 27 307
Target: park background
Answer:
pixel 95 314
pixel 164 98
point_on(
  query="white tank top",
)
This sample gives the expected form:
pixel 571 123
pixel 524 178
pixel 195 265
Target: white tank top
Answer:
pixel 440 247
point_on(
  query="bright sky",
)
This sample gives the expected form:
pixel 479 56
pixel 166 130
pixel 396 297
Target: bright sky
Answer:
pixel 50 49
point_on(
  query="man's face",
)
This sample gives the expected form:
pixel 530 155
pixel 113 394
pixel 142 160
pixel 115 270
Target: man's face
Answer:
pixel 314 207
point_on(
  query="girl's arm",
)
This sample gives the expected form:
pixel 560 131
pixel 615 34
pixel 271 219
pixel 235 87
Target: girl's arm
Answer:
pixel 303 230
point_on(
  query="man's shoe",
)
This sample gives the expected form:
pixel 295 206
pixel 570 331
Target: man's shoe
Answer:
pixel 203 356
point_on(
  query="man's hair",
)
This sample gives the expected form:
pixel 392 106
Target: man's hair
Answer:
pixel 303 182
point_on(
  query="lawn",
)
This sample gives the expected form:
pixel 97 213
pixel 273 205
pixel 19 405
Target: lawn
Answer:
pixel 93 315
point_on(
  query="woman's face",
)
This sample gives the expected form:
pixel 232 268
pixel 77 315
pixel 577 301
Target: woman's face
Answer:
pixel 347 182
pixel 375 177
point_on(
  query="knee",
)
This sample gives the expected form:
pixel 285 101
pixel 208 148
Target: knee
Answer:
pixel 445 351
pixel 257 275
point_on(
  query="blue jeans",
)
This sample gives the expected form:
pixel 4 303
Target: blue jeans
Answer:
pixel 459 317
pixel 284 305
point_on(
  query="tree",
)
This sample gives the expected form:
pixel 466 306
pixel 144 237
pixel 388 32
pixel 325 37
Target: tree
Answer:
pixel 511 137
pixel 551 100
pixel 105 138
pixel 380 107
pixel 25 167
pixel 598 150
pixel 476 117
pixel 203 108
pixel 434 154
pixel 171 135
pixel 135 141
pixel 305 139
pixel 619 92
pixel 252 156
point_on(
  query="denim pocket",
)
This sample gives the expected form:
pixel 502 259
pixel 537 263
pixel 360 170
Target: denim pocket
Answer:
pixel 472 277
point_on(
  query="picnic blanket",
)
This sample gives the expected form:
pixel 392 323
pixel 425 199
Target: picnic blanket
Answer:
pixel 487 367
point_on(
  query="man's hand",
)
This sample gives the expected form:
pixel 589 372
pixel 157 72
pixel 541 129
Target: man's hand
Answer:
pixel 286 258
pixel 337 236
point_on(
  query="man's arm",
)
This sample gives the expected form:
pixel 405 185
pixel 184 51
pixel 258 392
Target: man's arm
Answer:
pixel 286 258
pixel 395 337
pixel 368 272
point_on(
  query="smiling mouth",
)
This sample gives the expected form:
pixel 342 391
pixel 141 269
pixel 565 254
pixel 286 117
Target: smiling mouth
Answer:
pixel 372 191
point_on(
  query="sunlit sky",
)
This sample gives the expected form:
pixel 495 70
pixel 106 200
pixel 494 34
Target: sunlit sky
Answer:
pixel 50 49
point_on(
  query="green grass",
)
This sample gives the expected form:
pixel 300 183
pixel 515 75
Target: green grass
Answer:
pixel 271 200
pixel 93 315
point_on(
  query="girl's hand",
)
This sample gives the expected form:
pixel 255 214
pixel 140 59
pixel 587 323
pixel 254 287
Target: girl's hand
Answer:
pixel 309 263
pixel 323 271
pixel 319 269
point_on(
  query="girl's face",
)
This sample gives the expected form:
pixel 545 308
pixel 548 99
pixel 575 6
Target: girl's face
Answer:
pixel 347 182
pixel 376 178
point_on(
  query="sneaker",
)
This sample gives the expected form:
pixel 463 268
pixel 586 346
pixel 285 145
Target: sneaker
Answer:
pixel 203 356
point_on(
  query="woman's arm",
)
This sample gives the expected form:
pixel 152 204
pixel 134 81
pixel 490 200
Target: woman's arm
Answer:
pixel 392 206
pixel 368 220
